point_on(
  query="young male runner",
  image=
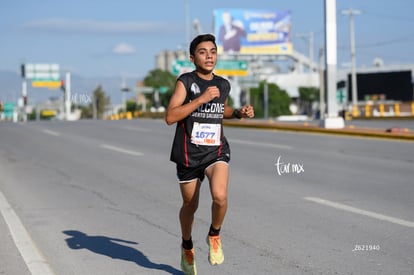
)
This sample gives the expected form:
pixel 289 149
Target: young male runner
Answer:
pixel 198 105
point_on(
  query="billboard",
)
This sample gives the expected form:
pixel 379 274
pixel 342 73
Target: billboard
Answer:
pixel 394 85
pixel 241 31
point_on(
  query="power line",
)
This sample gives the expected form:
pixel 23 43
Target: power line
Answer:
pixel 390 17
pixel 406 38
pixel 402 39
pixel 351 13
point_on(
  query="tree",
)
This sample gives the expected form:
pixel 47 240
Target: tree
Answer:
pixel 86 111
pixel 308 95
pixel 163 81
pixel 131 106
pixel 279 100
pixel 99 102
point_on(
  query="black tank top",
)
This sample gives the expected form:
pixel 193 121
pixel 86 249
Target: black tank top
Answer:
pixel 199 137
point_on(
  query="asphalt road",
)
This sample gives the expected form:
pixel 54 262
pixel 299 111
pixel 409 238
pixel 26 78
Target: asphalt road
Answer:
pixel 101 197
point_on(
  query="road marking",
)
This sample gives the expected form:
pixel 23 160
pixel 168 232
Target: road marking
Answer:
pixel 263 144
pixel 355 210
pixel 31 255
pixel 53 133
pixel 121 150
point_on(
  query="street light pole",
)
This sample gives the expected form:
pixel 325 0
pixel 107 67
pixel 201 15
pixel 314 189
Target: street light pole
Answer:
pixel 67 96
pixel 266 100
pixel 321 85
pixel 124 89
pixel 351 13
pixel 310 37
pixel 331 119
pixel 187 21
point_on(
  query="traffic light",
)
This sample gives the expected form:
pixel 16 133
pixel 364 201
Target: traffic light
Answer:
pixel 62 85
pixel 25 100
pixel 341 84
pixel 23 70
pixel 243 98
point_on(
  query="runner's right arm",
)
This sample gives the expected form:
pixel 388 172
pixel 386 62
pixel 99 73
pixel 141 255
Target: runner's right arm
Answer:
pixel 176 111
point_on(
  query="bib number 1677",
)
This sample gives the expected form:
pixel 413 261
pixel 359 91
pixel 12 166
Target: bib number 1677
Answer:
pixel 201 134
pixel 206 134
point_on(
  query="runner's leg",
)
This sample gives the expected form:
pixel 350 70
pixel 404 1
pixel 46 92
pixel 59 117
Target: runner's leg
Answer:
pixel 190 192
pixel 218 175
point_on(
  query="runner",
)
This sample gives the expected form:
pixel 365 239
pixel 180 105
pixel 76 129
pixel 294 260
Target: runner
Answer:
pixel 198 105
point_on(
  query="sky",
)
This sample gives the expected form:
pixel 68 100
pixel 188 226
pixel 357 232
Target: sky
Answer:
pixel 97 38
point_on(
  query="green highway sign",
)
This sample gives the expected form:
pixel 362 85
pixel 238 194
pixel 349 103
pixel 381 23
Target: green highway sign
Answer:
pixel 163 89
pixel 8 109
pixel 232 67
pixel 144 89
pixel 182 66
pixel 223 67
pixel 341 96
pixel 41 71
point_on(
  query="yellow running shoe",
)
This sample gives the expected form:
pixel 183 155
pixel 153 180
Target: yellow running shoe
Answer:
pixel 215 255
pixel 188 264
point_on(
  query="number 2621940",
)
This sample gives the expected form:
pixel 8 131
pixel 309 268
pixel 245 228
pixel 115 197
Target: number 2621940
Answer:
pixel 366 247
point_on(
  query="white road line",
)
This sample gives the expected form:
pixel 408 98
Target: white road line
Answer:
pixel 263 144
pixel 33 258
pixel 121 150
pixel 53 133
pixel 361 211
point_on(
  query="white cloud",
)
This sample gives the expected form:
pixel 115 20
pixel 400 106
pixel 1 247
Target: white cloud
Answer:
pixel 123 48
pixel 93 26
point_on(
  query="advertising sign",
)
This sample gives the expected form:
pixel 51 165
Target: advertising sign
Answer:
pixel 223 67
pixel 241 31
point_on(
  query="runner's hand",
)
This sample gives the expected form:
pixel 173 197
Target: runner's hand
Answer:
pixel 210 93
pixel 247 111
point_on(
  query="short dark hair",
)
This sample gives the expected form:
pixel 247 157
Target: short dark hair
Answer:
pixel 199 39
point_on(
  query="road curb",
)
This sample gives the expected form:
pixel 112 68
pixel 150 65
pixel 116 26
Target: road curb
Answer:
pixel 347 131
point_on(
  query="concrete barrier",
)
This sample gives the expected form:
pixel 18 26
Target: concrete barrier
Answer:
pixel 305 127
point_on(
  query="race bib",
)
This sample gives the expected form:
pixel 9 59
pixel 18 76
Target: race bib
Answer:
pixel 206 134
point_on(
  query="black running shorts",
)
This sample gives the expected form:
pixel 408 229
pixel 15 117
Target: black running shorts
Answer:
pixel 186 174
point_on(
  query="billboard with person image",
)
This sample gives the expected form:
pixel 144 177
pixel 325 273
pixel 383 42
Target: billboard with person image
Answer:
pixel 241 31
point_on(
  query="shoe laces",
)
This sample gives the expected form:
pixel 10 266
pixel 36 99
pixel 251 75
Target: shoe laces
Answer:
pixel 215 240
pixel 189 256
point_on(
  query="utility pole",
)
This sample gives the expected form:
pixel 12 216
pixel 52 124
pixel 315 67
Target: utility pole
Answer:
pixel 24 99
pixel 266 100
pixel 197 27
pixel 67 96
pixel 24 93
pixel 321 85
pixel 351 13
pixel 331 120
pixel 310 37
pixel 124 89
pixel 187 21
pixel 311 46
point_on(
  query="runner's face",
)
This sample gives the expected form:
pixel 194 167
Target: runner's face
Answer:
pixel 205 56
